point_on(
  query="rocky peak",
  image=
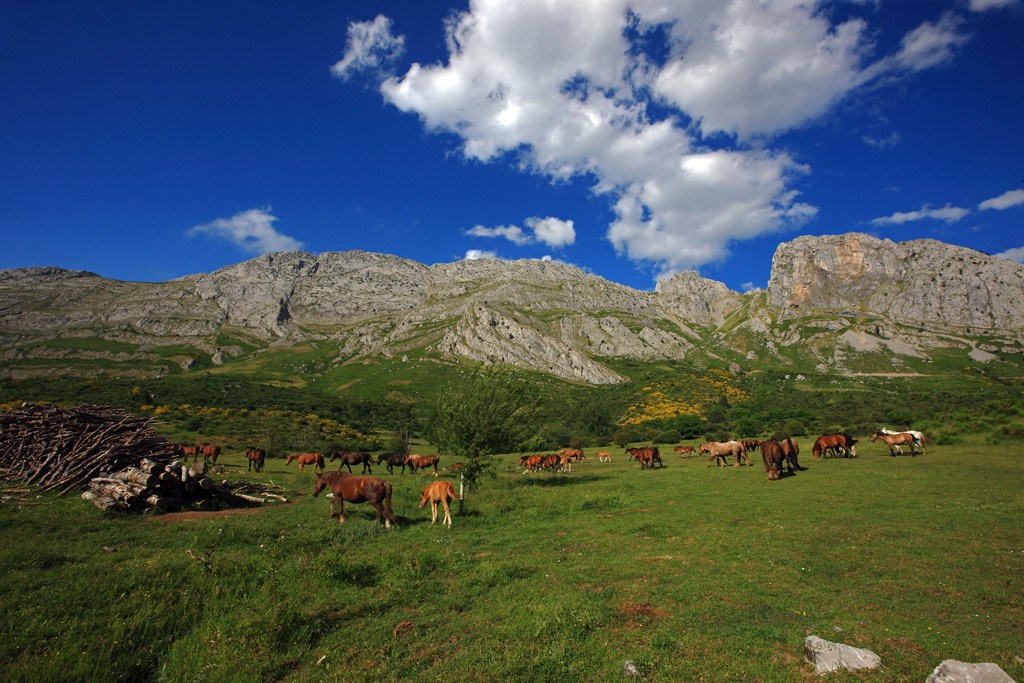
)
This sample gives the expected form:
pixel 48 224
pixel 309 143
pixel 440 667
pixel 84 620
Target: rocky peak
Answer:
pixel 920 281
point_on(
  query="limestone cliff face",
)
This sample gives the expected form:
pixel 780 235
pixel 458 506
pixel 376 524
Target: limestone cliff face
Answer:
pixel 921 281
pixel 541 315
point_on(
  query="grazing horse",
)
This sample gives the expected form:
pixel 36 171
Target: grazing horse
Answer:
pixel 720 450
pixel 441 490
pixel 256 458
pixel 349 459
pixel 392 460
pixel 189 449
pixel 314 459
pixel 352 488
pixel 210 453
pixel 531 462
pixel 771 453
pixel 550 462
pixel 603 456
pixel 683 450
pixel 839 444
pixel 646 456
pixel 791 449
pixel 894 441
pixel 421 462
pixel 751 444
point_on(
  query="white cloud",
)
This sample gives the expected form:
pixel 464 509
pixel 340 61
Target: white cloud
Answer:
pixel 982 5
pixel 553 232
pixel 568 89
pixel 1015 254
pixel 948 213
pixel 888 141
pixel 930 44
pixel 510 232
pixel 251 230
pixel 1004 201
pixel 474 254
pixel 371 46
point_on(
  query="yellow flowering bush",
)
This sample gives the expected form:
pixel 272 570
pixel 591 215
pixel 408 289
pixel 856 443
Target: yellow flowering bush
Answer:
pixel 690 394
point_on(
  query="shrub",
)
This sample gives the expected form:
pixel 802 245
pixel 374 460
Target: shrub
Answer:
pixel 396 444
pixel 623 437
pixel 669 436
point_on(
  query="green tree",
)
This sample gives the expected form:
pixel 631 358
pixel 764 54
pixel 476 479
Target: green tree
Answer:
pixel 480 415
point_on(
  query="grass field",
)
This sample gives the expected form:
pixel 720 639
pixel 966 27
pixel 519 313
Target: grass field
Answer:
pixel 690 573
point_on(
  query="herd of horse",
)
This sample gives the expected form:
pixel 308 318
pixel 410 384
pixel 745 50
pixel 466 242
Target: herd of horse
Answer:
pixel 778 455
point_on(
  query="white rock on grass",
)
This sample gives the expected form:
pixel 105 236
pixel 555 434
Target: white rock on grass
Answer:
pixel 952 671
pixel 827 656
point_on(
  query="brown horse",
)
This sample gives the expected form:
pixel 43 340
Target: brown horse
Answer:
pixel 187 450
pixel 574 454
pixel 421 462
pixel 603 456
pixel 683 450
pixel 391 461
pixel 791 449
pixel 550 462
pixel 720 450
pixel 352 488
pixel 771 453
pixel 210 453
pixel 751 444
pixel 646 456
pixel 349 459
pixel 839 444
pixel 894 441
pixel 314 459
pixel 443 491
pixel 532 463
pixel 256 458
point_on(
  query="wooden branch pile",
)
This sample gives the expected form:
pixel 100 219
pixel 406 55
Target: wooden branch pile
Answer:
pixel 168 487
pixel 115 455
pixel 60 449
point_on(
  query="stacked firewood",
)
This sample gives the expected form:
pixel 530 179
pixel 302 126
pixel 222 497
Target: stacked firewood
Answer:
pixel 114 455
pixel 169 487
pixel 61 449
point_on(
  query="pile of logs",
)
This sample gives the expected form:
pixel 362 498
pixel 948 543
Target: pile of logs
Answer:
pixel 60 449
pixel 168 487
pixel 113 454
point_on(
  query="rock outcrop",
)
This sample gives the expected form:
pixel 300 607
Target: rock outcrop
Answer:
pixel 921 281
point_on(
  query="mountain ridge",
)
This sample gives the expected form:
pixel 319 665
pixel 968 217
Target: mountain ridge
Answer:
pixel 828 297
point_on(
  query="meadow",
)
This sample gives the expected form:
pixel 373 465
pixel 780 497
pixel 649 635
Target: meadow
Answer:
pixel 688 572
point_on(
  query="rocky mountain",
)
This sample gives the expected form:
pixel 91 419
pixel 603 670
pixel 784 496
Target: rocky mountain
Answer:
pixel 828 299
pixel 922 281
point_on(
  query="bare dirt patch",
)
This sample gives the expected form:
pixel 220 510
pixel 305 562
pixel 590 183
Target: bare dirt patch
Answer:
pixel 193 515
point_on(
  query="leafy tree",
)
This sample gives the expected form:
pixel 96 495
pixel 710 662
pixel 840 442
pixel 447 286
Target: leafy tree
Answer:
pixel 482 414
pixel 396 444
pixel 623 437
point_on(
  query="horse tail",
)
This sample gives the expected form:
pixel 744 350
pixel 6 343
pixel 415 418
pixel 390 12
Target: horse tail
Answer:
pixel 451 491
pixel 387 500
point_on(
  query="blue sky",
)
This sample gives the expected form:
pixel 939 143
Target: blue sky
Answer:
pixel 149 140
